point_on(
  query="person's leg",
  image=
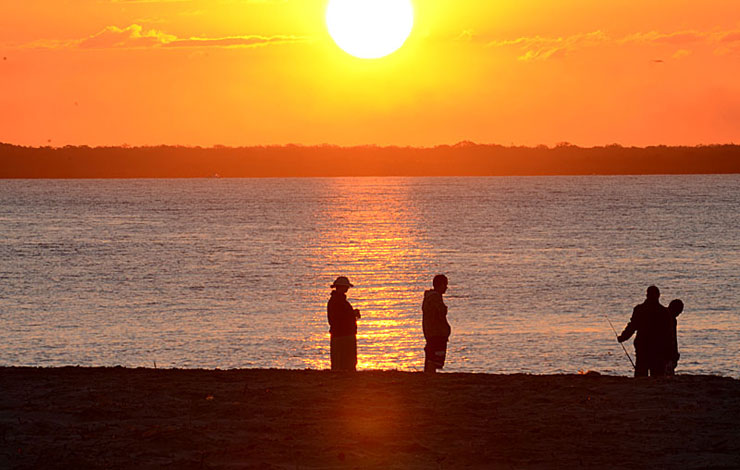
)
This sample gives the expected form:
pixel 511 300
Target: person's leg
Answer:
pixel 440 353
pixel 436 351
pixel 342 353
pixel 641 365
pixel 658 368
pixel 429 366
pixel 346 353
pixel 334 353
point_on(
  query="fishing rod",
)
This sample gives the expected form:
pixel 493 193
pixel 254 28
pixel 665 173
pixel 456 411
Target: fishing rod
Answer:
pixel 620 343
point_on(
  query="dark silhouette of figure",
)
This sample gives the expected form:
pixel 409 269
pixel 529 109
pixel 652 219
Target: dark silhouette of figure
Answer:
pixel 653 342
pixel 434 323
pixel 674 308
pixel 342 327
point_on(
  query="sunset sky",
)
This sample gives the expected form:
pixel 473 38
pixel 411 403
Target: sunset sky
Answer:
pixel 254 72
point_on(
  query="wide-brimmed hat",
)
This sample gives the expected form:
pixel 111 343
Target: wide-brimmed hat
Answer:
pixel 342 281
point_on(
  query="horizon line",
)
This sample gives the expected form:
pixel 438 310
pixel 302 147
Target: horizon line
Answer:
pixel 459 144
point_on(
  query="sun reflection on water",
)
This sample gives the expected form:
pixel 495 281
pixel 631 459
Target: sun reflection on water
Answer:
pixel 369 233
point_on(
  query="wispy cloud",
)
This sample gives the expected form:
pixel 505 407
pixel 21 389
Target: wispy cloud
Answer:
pixel 676 38
pixel 466 35
pixel 681 53
pixel 731 37
pixel 235 41
pixel 137 37
pixel 541 47
pixel 131 36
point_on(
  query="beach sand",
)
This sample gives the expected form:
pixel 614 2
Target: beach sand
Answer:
pixel 279 419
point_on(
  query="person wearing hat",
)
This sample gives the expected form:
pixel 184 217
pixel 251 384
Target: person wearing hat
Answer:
pixel 342 327
pixel 434 323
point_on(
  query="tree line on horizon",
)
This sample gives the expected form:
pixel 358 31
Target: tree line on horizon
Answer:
pixel 462 159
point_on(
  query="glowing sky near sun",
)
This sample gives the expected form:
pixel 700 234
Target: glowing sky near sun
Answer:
pixel 251 72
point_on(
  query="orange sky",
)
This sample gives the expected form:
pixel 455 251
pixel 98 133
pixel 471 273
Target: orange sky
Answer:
pixel 252 72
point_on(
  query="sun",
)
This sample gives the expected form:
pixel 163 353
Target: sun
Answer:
pixel 370 29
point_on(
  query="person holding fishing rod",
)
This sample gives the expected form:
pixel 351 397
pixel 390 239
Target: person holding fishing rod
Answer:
pixel 654 341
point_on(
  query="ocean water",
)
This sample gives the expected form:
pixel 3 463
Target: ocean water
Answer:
pixel 226 273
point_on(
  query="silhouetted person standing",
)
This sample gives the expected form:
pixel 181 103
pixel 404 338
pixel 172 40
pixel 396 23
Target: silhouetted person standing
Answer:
pixel 342 327
pixel 434 323
pixel 653 342
pixel 674 308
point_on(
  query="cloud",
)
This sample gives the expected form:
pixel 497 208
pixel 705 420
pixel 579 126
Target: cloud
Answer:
pixel 681 53
pixel 541 48
pixel 676 38
pixel 235 41
pixel 533 48
pixel 731 37
pixel 129 37
pixel 136 37
pixel 465 35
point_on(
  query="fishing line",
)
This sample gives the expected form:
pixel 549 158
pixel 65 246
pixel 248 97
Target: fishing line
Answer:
pixel 620 343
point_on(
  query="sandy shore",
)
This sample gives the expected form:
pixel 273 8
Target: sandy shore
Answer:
pixel 265 419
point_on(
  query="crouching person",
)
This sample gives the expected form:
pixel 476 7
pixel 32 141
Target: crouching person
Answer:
pixel 342 327
pixel 434 323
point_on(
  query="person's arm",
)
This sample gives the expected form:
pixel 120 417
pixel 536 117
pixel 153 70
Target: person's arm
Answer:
pixel 631 327
pixel 351 312
pixel 443 314
pixel 440 313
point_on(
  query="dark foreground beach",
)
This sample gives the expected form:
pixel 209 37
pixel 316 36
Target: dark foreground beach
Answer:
pixel 279 419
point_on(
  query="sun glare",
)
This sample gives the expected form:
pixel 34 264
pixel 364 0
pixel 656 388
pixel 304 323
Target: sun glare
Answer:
pixel 370 29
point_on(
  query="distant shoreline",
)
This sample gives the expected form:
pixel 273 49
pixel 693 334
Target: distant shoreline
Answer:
pixel 463 159
pixel 208 178
pixel 75 417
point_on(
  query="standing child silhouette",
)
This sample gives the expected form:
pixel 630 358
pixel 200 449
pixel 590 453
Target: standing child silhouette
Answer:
pixel 674 308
